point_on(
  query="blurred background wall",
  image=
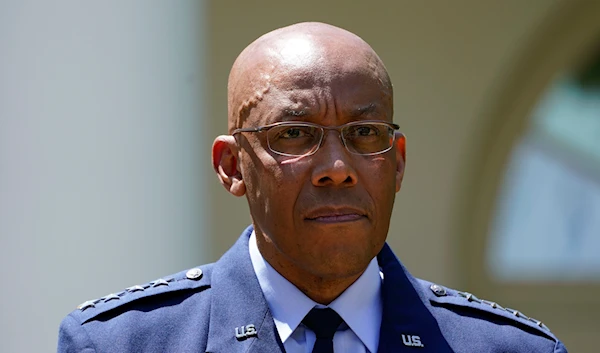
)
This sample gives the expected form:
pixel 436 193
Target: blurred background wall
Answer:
pixel 107 115
pixel 101 171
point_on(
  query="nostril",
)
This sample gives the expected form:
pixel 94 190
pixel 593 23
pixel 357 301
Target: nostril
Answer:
pixel 325 180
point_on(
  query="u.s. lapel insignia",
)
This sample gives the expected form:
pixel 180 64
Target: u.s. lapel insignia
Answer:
pixel 244 332
pixel 412 341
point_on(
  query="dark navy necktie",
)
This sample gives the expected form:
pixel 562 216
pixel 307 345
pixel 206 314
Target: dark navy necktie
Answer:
pixel 324 323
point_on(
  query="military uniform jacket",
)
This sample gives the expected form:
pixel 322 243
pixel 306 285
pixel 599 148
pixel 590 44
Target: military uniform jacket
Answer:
pixel 220 308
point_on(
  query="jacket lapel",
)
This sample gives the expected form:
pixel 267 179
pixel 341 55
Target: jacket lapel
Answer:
pixel 240 320
pixel 407 325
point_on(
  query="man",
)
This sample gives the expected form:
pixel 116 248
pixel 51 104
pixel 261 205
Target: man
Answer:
pixel 313 148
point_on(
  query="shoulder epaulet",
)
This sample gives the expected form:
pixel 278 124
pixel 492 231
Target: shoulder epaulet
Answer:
pixel 191 279
pixel 443 295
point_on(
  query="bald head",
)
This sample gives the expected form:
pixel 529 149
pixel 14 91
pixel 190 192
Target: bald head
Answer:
pixel 313 54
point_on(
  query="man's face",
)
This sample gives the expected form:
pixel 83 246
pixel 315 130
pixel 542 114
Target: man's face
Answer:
pixel 326 214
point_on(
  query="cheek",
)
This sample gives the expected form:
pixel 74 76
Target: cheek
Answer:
pixel 285 182
pixel 272 185
pixel 380 184
pixel 379 175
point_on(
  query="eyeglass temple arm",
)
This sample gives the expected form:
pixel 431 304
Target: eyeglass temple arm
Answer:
pixel 248 129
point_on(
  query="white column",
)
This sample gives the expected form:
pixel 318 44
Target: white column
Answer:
pixel 101 183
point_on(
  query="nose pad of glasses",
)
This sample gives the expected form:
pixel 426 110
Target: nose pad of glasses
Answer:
pixel 340 136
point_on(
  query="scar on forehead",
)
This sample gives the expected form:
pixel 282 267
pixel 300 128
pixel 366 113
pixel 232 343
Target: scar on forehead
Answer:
pixel 251 102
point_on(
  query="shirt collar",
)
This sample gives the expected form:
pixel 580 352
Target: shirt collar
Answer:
pixel 359 305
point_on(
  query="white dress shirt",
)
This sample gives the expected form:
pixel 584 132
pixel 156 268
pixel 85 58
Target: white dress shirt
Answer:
pixel 359 305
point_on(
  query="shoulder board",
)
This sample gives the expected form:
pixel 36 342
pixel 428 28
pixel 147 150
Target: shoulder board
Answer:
pixel 185 280
pixel 447 296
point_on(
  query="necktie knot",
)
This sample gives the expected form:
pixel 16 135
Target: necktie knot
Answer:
pixel 323 322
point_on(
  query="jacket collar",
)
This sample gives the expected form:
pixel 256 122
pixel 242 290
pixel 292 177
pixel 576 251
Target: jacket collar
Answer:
pixel 405 314
pixel 237 302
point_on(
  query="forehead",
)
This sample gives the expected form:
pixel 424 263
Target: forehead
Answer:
pixel 303 81
pixel 308 96
pixel 317 70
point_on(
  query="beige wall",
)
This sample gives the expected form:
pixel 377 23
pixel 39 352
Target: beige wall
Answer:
pixel 452 64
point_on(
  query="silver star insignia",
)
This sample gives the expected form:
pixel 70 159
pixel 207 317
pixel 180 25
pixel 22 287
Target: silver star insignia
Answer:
pixel 134 289
pixel 85 305
pixel 110 297
pixel 160 282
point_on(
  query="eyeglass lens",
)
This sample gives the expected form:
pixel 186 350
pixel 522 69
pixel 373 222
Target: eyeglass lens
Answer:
pixel 299 139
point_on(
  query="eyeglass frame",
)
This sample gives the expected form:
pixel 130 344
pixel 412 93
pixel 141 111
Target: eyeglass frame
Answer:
pixel 393 126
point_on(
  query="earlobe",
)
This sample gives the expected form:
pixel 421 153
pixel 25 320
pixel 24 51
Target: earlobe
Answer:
pixel 400 145
pixel 225 164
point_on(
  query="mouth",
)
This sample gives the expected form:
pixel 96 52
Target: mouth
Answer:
pixel 336 215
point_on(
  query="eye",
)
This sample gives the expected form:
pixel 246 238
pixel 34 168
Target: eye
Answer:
pixel 292 132
pixel 366 130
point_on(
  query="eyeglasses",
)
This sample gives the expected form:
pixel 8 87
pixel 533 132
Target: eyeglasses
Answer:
pixel 292 138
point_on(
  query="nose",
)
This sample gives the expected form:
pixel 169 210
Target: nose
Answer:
pixel 334 165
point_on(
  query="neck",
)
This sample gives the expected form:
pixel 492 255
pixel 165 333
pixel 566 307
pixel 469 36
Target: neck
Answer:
pixel 321 288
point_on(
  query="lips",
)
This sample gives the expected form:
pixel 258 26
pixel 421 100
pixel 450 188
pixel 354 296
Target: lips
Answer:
pixel 335 214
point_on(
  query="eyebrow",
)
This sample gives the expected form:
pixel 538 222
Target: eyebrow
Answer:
pixel 295 113
pixel 357 112
pixel 366 109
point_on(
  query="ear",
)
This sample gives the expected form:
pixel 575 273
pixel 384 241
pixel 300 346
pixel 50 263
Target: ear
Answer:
pixel 400 145
pixel 226 164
